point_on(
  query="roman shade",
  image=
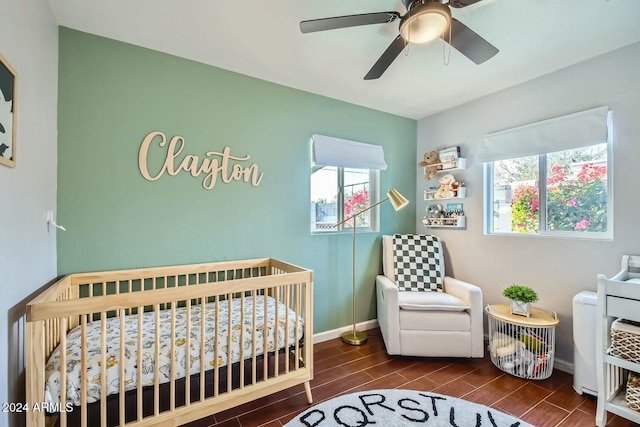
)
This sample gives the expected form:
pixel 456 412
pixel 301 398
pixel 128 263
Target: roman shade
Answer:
pixel 329 151
pixel 575 130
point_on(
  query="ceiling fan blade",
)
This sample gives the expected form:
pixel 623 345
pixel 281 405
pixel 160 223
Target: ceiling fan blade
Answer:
pixel 314 25
pixel 386 59
pixel 462 3
pixel 469 43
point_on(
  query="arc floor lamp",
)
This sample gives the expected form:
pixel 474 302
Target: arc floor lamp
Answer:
pixel 398 201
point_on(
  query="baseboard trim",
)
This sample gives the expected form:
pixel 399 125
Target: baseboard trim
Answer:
pixel 559 364
pixel 563 365
pixel 336 333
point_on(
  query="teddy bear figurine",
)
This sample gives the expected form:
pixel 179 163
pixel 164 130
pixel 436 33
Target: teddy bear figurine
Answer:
pixel 446 187
pixel 430 162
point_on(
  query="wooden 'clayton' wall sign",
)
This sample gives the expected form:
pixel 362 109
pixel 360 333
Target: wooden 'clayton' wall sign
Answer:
pixel 215 164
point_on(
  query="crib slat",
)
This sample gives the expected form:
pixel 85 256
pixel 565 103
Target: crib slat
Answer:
pixel 216 353
pixel 297 309
pixel 164 286
pixel 50 336
pixel 103 369
pixel 83 372
pixel 203 328
pixel 47 333
pixel 229 341
pixel 286 328
pixel 72 294
pixel 156 375
pixel 276 327
pixel 254 294
pixel 241 341
pixel 187 357
pixel 172 369
pixel 265 338
pixel 129 310
pixel 55 332
pixel 63 370
pixel 121 396
pixel 307 309
pixel 139 382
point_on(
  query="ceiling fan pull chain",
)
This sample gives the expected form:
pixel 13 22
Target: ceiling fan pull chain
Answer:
pixel 406 46
pixel 447 58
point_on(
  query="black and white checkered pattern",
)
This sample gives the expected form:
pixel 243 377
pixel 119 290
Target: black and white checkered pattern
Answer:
pixel 417 262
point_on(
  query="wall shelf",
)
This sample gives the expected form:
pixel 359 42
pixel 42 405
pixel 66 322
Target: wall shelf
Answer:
pixel 456 222
pixel 428 195
pixel 461 192
pixel 453 165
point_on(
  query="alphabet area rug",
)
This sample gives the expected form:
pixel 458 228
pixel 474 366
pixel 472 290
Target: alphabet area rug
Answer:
pixel 386 408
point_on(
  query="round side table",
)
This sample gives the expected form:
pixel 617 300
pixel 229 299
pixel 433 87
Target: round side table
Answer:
pixel 519 345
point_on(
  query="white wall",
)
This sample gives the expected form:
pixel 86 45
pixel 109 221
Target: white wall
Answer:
pixel 29 41
pixel 556 268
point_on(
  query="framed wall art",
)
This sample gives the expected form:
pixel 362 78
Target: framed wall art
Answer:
pixel 8 83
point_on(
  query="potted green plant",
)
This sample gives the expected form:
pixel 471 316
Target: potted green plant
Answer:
pixel 520 298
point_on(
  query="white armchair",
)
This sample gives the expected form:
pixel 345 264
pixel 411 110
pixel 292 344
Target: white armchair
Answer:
pixel 434 324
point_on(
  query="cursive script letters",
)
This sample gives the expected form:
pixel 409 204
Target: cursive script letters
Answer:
pixel 215 165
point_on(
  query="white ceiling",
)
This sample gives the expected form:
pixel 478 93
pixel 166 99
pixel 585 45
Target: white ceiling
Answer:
pixel 261 38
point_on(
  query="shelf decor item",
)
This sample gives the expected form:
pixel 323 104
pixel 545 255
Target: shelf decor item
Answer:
pixel 448 222
pixel 430 164
pixel 520 299
pixel 398 201
pixel 446 187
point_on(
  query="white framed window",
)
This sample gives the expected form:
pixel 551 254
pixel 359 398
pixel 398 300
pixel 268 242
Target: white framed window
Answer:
pixel 338 193
pixel 344 181
pixel 563 193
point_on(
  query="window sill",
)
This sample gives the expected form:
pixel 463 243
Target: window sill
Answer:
pixel 606 237
pixel 347 231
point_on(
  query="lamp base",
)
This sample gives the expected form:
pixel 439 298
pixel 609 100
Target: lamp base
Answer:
pixel 354 337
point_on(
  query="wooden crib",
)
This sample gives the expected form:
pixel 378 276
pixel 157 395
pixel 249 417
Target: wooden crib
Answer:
pixel 257 313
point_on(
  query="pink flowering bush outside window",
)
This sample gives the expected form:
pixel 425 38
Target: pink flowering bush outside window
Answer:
pixel 524 209
pixel 573 203
pixel 356 203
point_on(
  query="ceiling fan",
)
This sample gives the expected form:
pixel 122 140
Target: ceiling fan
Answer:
pixel 424 21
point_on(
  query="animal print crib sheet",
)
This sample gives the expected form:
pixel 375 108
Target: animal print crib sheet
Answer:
pixel 182 355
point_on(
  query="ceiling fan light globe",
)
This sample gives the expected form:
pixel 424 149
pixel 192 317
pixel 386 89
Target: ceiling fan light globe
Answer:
pixel 426 24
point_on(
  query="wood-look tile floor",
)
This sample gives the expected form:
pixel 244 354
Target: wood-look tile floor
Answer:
pixel 341 368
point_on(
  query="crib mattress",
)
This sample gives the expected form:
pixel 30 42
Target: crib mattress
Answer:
pixel 182 355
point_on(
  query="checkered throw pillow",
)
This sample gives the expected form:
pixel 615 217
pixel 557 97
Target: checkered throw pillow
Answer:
pixel 417 262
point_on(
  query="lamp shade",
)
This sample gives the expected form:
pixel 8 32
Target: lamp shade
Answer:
pixel 428 22
pixel 398 201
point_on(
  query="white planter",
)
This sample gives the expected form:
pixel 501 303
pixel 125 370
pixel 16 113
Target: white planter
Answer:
pixel 520 308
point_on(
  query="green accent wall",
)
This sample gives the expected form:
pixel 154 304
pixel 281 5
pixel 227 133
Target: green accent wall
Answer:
pixel 112 94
